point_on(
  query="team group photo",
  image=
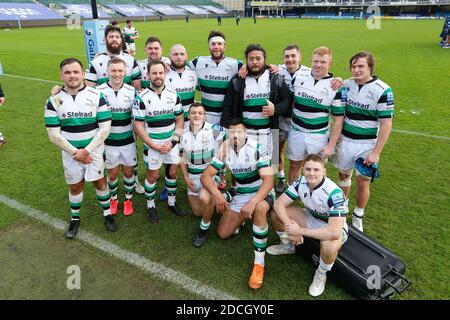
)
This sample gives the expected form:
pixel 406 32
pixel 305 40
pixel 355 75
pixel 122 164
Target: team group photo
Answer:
pixel 292 162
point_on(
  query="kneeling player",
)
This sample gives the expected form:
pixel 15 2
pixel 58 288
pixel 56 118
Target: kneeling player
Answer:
pixel 120 146
pixel 323 218
pixel 249 164
pixel 198 145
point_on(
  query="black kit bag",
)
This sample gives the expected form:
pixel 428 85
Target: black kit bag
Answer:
pixel 364 268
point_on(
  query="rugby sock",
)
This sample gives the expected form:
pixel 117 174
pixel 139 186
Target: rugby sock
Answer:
pixel 171 186
pixel 135 172
pixel 75 205
pixel 150 190
pixel 204 227
pixel 103 197
pixel 284 237
pixel 358 212
pixel 113 186
pixel 260 242
pixel 280 175
pixel 323 267
pixel 129 187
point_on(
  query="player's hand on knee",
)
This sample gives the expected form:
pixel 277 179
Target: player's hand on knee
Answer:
pixel 221 203
pixel 190 185
pixel 247 210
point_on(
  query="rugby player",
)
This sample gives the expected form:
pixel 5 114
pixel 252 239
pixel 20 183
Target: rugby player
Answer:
pixel 314 102
pixel 153 50
pixel 323 218
pixel 159 123
pixel 120 146
pixel 369 110
pixel 198 145
pixel 130 34
pixel 78 120
pixel 250 165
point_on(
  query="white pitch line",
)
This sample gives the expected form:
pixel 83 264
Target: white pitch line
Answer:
pixel 64 54
pixel 415 133
pixel 155 269
pixel 28 78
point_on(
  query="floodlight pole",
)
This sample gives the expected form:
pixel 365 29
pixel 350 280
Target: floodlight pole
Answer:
pixel 94 9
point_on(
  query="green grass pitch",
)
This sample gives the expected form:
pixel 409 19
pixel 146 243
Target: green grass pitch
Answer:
pixel 409 207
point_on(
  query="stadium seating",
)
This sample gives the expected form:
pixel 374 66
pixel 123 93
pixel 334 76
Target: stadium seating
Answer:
pixel 193 9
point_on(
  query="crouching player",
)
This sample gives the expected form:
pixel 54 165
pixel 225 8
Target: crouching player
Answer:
pixel 198 145
pixel 120 146
pixel 324 218
pixel 250 166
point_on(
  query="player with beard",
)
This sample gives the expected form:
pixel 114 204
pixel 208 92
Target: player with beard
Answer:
pixel 258 100
pixel 159 123
pixel 97 72
pixel 214 72
pixel 153 51
pixel 184 81
pixel 249 164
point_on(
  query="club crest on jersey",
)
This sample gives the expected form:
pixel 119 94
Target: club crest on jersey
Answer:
pixel 305 194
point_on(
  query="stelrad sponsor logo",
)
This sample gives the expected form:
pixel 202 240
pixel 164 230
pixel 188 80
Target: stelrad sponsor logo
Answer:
pixel 78 115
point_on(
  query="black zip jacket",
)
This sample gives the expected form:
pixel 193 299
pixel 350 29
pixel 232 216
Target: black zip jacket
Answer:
pixel 233 104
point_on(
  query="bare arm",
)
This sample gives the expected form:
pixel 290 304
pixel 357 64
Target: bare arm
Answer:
pixel 100 136
pixel 383 136
pixel 55 136
pixel 139 128
pixel 331 232
pixel 336 129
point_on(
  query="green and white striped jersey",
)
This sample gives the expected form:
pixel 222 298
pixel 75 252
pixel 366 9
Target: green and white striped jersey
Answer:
pixel 256 94
pixel 184 84
pixel 314 100
pixel 366 104
pixel 145 79
pixel 97 71
pixel 158 111
pixel 121 103
pixel 199 149
pixel 325 201
pixel 77 115
pixel 244 165
pixel 213 79
pixel 128 33
pixel 289 78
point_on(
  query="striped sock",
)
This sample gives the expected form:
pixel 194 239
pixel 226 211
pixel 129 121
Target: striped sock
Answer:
pixel 150 190
pixel 129 187
pixel 171 186
pixel 323 267
pixel 260 242
pixel 75 205
pixel 113 187
pixel 280 175
pixel 103 197
pixel 204 225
